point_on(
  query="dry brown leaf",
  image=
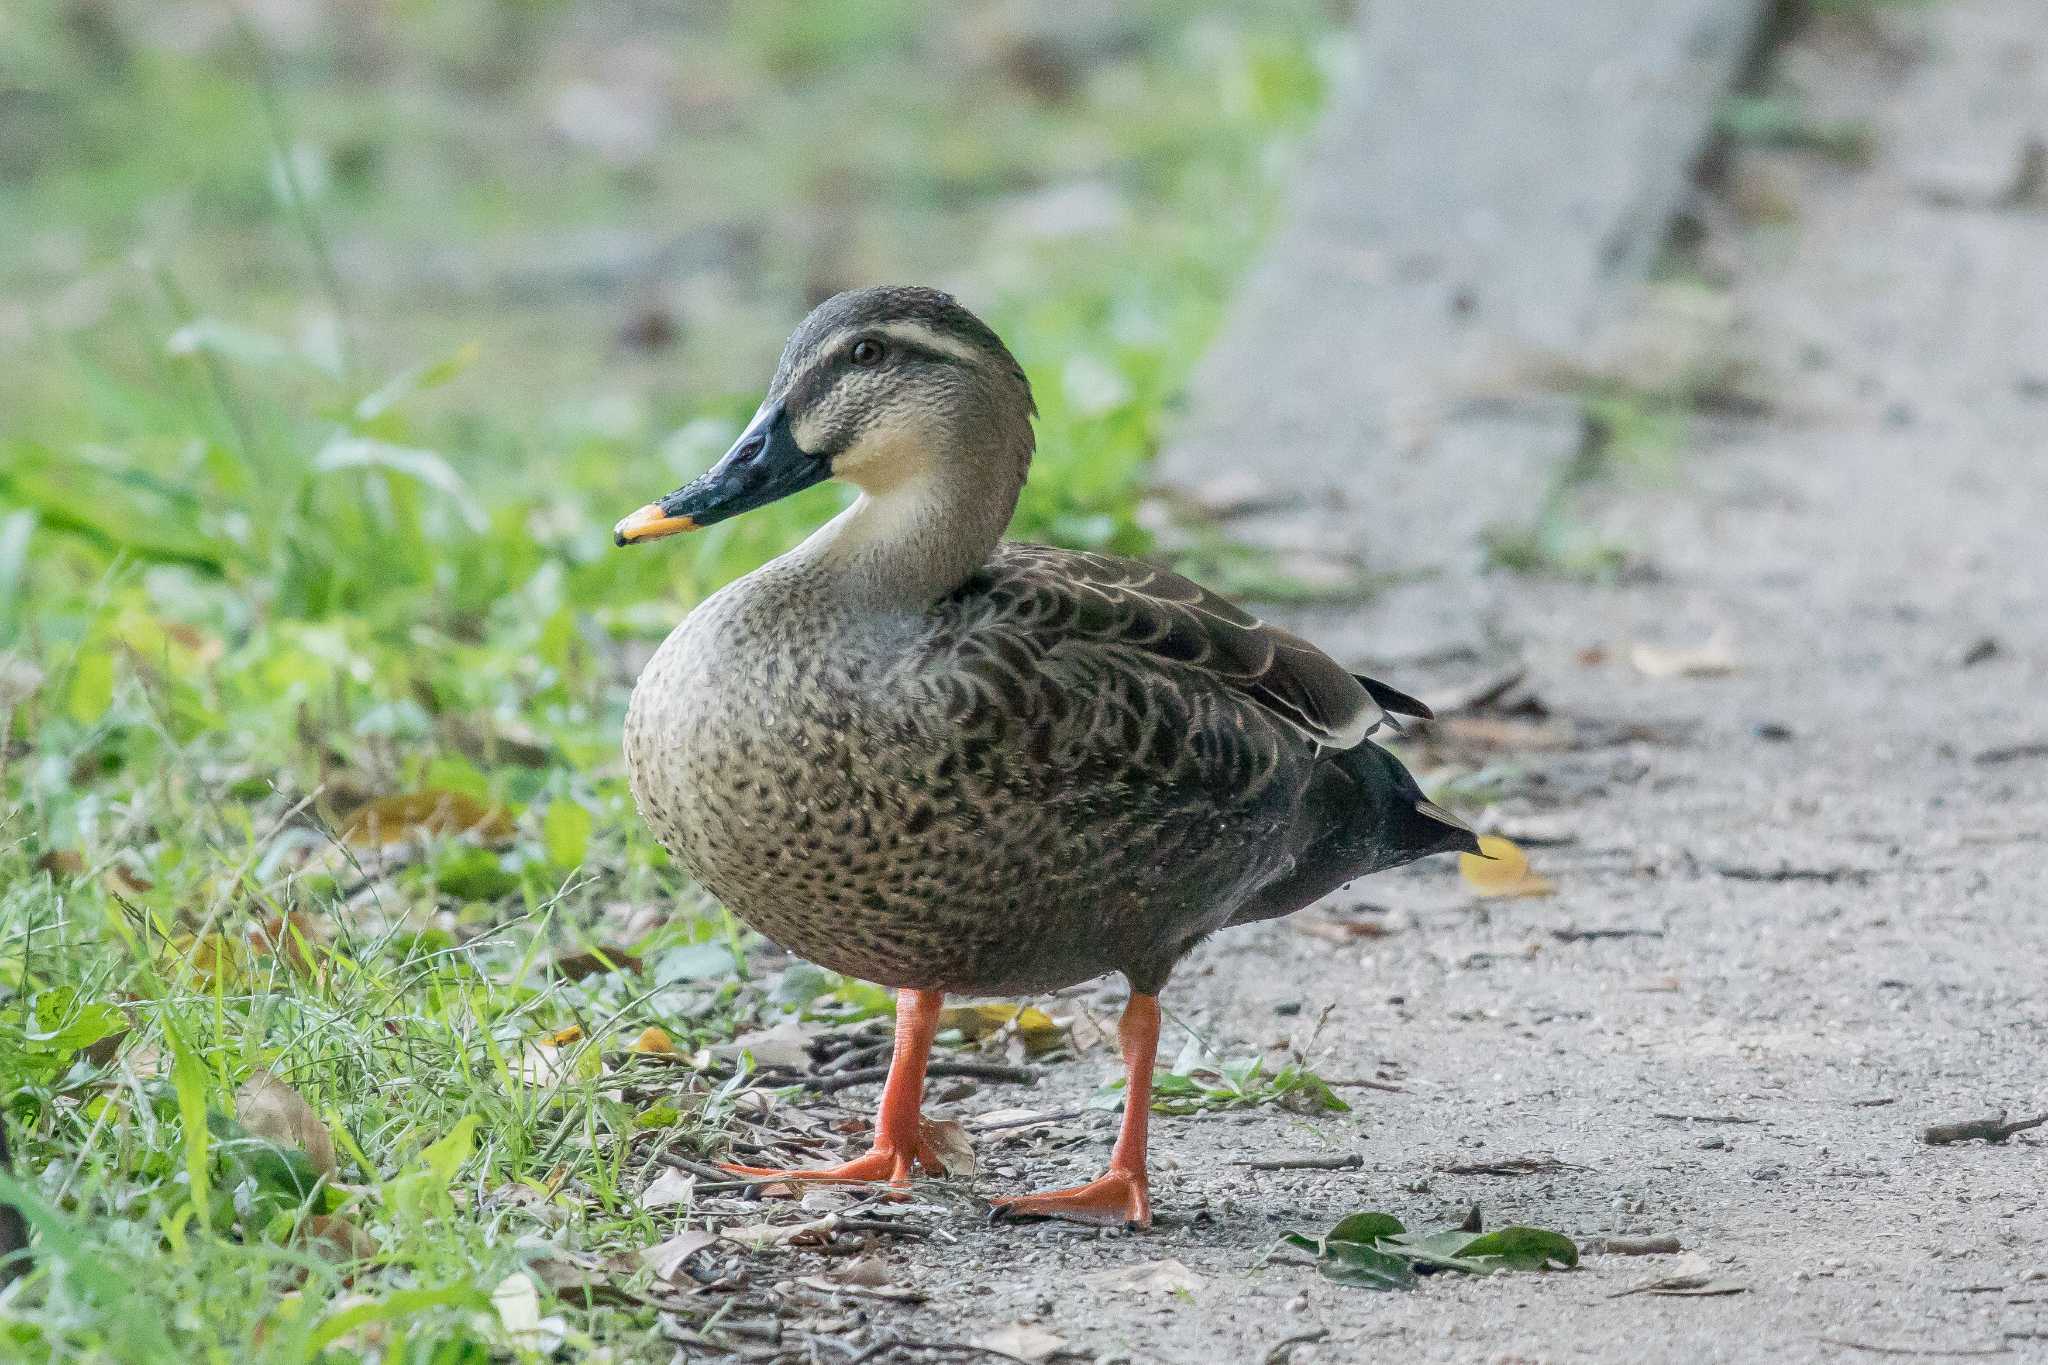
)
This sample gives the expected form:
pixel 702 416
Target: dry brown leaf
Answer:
pixel 1040 1032
pixel 290 938
pixel 666 1259
pixel 1024 1341
pixel 868 1272
pixel 337 1238
pixel 594 962
pixel 668 1189
pixel 759 1236
pixel 1340 930
pixel 395 819
pixel 270 1109
pixel 949 1139
pixel 787 1045
pixel 1166 1277
pixel 61 862
pixel 1714 659
pixel 1501 869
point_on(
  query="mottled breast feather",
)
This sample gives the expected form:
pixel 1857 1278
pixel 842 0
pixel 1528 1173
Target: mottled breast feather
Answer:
pixel 1032 604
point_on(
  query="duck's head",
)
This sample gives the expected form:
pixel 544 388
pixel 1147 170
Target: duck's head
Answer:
pixel 890 389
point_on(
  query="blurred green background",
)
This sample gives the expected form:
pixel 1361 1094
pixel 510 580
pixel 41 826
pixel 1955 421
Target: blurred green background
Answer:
pixel 333 339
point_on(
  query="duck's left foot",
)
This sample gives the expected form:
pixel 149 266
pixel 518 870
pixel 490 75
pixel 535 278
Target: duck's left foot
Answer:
pixel 1116 1200
pixel 886 1163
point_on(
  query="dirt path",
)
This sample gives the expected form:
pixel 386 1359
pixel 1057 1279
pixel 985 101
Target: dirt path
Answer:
pixel 1834 854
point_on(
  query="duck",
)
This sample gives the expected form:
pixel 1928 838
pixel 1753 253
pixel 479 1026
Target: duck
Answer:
pixel 917 753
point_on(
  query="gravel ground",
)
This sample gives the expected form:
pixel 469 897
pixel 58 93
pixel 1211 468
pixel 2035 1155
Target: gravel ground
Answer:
pixel 1828 860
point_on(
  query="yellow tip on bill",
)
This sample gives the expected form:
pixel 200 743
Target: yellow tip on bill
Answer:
pixel 649 523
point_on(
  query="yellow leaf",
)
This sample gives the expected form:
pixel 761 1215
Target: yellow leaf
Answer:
pixel 395 819
pixel 1040 1032
pixel 564 1037
pixel 1500 868
pixel 654 1042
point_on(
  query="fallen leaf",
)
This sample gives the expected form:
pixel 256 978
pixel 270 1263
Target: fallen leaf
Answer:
pixel 654 1042
pixel 61 862
pixel 1501 869
pixel 1714 659
pixel 517 1301
pixel 869 1272
pixel 290 938
pixel 1167 1276
pixel 892 1293
pixel 1040 1031
pixel 668 1189
pixel 759 1236
pixel 395 819
pixel 667 1258
pixel 337 1238
pixel 272 1110
pixel 1331 930
pixel 594 962
pixel 1024 1341
pixel 949 1139
pixel 786 1046
pixel 1689 1277
pixel 581 1278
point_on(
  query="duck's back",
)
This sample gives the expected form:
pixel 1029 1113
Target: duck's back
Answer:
pixel 1071 765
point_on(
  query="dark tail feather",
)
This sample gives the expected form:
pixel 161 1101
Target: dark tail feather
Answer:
pixel 1404 824
pixel 1394 700
pixel 1370 815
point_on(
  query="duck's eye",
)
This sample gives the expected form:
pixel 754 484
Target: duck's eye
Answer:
pixel 867 353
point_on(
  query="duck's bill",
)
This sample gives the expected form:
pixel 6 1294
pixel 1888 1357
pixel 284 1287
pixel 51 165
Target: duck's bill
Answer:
pixel 765 465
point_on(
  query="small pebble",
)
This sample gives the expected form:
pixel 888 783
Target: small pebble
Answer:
pixel 1711 1144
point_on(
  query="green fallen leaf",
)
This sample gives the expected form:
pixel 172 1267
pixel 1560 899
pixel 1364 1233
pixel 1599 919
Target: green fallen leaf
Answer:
pixel 1524 1248
pixel 1376 1251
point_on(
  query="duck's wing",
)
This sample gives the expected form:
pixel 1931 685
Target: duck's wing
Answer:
pixel 1032 600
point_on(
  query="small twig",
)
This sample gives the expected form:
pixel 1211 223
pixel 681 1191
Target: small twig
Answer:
pixel 888 1227
pixel 1993 1129
pixel 1708 1118
pixel 1917 1350
pixel 1875 1102
pixel 882 1348
pixel 1062 1116
pixel 1364 1084
pixel 1632 1246
pixel 714 1180
pixel 1346 1161
pixel 1571 935
pixel 1515 1165
pixel 1285 1346
pixel 867 1075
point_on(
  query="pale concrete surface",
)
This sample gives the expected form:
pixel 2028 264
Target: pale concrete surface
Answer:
pixel 1480 191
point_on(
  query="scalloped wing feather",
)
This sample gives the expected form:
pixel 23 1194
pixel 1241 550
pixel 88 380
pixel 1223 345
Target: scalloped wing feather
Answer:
pixel 1046 599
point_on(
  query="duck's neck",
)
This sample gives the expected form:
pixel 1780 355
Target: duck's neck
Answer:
pixel 905 545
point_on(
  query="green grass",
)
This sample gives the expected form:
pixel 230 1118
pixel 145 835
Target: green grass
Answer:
pixel 319 412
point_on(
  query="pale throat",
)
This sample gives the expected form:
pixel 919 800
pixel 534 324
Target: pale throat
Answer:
pixel 916 532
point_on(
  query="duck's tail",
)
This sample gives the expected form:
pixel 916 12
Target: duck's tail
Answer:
pixel 1368 815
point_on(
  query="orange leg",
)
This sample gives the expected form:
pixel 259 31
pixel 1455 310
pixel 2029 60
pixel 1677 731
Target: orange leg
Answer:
pixel 1121 1197
pixel 897 1140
